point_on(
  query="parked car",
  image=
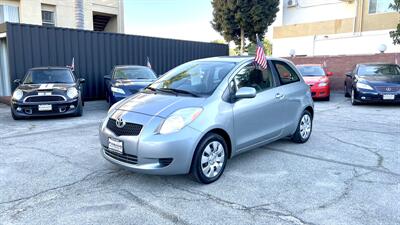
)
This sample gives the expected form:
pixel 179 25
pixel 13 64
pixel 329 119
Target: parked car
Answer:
pixel 318 80
pixel 373 83
pixel 203 112
pixel 127 80
pixel 47 91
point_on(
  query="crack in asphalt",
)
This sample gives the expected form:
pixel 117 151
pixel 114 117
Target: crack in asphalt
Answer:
pixel 21 200
pixel 157 210
pixel 372 168
pixel 286 215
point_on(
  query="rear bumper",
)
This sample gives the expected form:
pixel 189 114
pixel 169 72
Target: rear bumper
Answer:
pixel 32 109
pixel 320 92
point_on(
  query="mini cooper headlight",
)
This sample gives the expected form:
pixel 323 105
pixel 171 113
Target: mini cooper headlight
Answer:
pixel 72 92
pixel 179 119
pixel 117 90
pixel 17 95
pixel 364 86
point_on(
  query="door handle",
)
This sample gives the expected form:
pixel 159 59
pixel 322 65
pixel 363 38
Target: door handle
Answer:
pixel 279 95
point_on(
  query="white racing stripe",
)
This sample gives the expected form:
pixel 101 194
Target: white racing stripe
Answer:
pixel 46 86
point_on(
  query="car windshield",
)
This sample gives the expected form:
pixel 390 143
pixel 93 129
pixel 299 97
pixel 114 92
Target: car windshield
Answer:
pixel 311 70
pixel 134 73
pixel 196 78
pixel 378 70
pixel 47 76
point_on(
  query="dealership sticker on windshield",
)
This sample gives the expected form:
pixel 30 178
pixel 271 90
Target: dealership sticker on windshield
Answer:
pixel 45 108
pixel 115 145
pixel 388 97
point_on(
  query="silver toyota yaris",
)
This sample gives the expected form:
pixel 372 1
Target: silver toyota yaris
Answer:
pixel 196 116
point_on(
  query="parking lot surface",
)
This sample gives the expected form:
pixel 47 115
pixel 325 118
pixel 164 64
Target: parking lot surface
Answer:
pixel 51 172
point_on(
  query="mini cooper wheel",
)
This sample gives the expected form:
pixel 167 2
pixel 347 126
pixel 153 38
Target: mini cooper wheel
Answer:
pixel 209 159
pixel 79 109
pixel 16 117
pixel 304 128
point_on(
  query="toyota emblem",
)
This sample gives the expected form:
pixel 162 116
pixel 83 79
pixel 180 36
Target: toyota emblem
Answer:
pixel 388 89
pixel 120 123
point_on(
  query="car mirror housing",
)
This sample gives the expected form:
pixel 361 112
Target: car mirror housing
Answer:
pixel 17 81
pixel 246 92
pixel 107 77
pixel 348 74
pixel 329 74
pixel 82 80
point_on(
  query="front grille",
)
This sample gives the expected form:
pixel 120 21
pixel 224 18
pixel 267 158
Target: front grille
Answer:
pixel 49 98
pixel 130 129
pixel 388 88
pixel 132 159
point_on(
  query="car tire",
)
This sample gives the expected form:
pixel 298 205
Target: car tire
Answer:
pixel 79 109
pixel 209 152
pixel 327 98
pixel 304 128
pixel 346 94
pixel 353 98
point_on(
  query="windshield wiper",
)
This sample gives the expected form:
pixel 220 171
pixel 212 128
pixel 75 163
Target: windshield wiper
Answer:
pixel 160 90
pixel 180 91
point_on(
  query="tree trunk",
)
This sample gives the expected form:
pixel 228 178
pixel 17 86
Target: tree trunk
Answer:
pixel 241 41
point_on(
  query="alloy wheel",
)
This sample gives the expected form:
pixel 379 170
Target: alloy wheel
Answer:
pixel 305 126
pixel 212 159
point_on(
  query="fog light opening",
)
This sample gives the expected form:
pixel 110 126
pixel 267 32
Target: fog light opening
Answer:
pixel 28 111
pixel 62 109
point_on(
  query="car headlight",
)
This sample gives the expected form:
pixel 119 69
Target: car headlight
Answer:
pixel 179 119
pixel 364 86
pixel 72 92
pixel 17 95
pixel 322 84
pixel 117 90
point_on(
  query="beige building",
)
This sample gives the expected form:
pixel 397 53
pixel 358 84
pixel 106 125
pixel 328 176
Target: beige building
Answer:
pixel 334 27
pixel 97 15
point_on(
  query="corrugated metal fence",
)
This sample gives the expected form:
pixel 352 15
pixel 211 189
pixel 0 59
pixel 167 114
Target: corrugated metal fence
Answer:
pixel 96 53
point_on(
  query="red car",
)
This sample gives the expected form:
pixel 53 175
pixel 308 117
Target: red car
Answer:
pixel 318 79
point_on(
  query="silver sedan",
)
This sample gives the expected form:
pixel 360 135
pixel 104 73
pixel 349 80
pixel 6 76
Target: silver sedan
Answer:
pixel 198 115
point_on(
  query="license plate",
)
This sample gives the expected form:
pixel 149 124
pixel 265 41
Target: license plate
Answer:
pixel 388 97
pixel 45 107
pixel 115 145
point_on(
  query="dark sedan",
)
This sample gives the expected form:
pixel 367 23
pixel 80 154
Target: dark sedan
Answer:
pixel 127 80
pixel 47 91
pixel 373 83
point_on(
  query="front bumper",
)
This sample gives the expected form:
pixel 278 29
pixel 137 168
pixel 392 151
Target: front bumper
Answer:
pixel 31 109
pixel 371 96
pixel 320 92
pixel 152 153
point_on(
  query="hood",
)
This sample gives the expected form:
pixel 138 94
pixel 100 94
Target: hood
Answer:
pixel 381 80
pixel 161 105
pixel 34 88
pixel 314 79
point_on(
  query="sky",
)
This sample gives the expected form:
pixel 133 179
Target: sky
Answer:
pixel 177 19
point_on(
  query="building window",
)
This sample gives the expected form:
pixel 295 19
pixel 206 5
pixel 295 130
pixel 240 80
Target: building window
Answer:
pixel 48 18
pixel 9 13
pixel 380 6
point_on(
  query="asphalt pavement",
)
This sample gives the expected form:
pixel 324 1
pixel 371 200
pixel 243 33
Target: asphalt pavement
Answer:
pixel 51 172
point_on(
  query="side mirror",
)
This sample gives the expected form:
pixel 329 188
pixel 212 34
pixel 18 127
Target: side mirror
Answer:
pixel 348 74
pixel 107 77
pixel 329 74
pixel 82 80
pixel 246 92
pixel 17 81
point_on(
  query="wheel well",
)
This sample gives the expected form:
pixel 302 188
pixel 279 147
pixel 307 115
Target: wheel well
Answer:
pixel 226 137
pixel 311 110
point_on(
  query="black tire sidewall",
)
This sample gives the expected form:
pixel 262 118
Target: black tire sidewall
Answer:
pixel 298 138
pixel 196 169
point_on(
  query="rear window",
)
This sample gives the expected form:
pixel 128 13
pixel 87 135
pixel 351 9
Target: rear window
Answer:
pixel 49 76
pixel 311 70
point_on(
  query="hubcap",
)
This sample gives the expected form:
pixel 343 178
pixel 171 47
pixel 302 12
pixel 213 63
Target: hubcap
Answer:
pixel 352 95
pixel 212 159
pixel 305 126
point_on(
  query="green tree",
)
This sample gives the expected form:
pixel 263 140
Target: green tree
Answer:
pixel 218 41
pixel 237 20
pixel 251 48
pixel 395 35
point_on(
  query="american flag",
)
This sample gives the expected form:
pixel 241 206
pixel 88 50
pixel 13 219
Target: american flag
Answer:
pixel 260 58
pixel 148 64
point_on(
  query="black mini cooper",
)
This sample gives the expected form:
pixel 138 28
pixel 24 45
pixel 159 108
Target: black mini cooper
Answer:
pixel 47 91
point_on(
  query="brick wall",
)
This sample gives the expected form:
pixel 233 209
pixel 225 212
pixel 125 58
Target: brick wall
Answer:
pixel 340 65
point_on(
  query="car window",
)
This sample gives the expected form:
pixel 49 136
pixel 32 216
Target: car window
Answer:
pixel 134 73
pixel 378 70
pixel 250 76
pixel 286 74
pixel 47 76
pixel 311 70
